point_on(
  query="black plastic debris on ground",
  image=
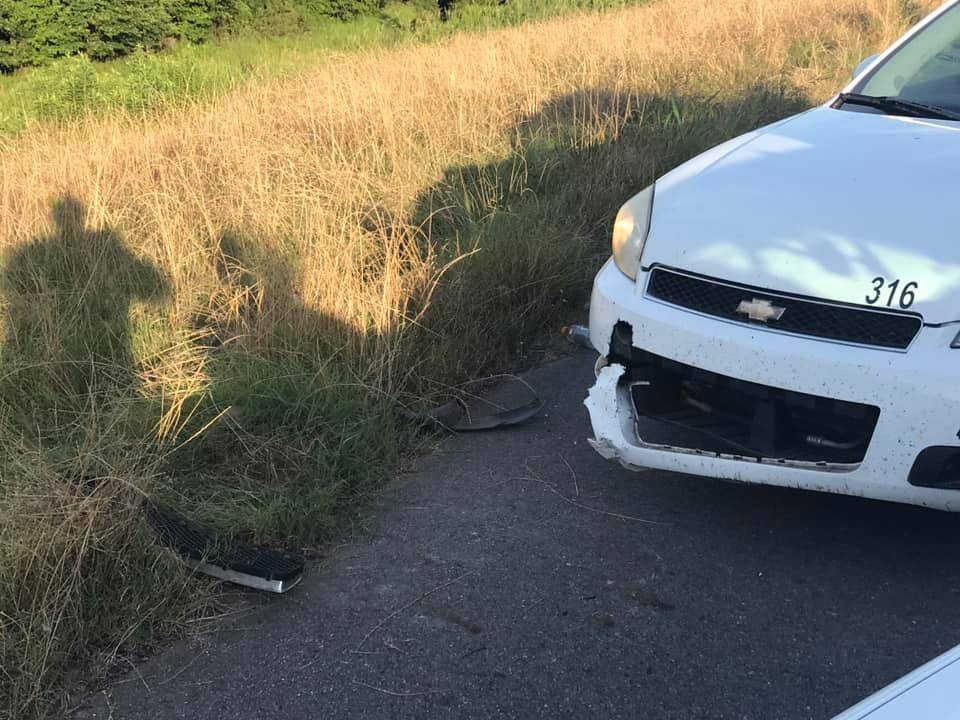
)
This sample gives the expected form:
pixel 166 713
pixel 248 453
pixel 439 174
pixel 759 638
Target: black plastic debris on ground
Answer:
pixel 455 416
pixel 240 563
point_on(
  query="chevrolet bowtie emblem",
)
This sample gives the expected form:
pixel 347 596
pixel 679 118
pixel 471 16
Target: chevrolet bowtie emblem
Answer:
pixel 762 310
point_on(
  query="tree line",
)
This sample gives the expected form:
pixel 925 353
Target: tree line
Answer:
pixel 33 32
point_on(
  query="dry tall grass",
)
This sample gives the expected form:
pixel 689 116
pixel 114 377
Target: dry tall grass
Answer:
pixel 273 271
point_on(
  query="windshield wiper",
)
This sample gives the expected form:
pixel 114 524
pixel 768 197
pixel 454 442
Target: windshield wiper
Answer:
pixel 897 106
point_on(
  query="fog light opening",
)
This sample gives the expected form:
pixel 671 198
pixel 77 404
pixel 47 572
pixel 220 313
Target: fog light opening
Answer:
pixel 937 467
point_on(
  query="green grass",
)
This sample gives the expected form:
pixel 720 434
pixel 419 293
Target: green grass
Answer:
pixel 73 87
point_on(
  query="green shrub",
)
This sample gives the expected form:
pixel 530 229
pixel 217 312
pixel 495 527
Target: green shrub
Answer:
pixel 195 20
pixel 65 90
pixel 342 9
pixel 116 28
pixel 33 32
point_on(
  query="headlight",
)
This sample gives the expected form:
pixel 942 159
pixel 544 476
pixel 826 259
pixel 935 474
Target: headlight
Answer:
pixel 630 232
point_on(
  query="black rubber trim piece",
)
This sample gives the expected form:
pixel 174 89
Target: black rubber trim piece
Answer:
pixel 455 416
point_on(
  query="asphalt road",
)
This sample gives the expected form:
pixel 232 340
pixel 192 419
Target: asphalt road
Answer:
pixel 516 574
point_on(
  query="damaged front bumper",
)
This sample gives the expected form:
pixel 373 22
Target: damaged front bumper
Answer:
pixel 915 399
pixel 617 434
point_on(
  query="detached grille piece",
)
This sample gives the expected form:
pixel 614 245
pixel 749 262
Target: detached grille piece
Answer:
pixel 201 547
pixel 801 316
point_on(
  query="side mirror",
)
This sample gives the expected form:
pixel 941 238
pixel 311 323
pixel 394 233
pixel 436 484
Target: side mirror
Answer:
pixel 863 65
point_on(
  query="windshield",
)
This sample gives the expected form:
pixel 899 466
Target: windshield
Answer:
pixel 925 70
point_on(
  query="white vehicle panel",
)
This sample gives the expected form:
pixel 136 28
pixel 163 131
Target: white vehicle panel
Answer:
pixel 821 205
pixel 931 692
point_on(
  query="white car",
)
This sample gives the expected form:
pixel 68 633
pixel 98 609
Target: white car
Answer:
pixel 928 693
pixel 785 308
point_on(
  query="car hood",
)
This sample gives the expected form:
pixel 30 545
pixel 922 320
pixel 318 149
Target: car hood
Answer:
pixel 821 204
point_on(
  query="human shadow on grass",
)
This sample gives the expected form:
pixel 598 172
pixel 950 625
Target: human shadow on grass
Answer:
pixel 69 420
pixel 293 433
pixel 66 329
